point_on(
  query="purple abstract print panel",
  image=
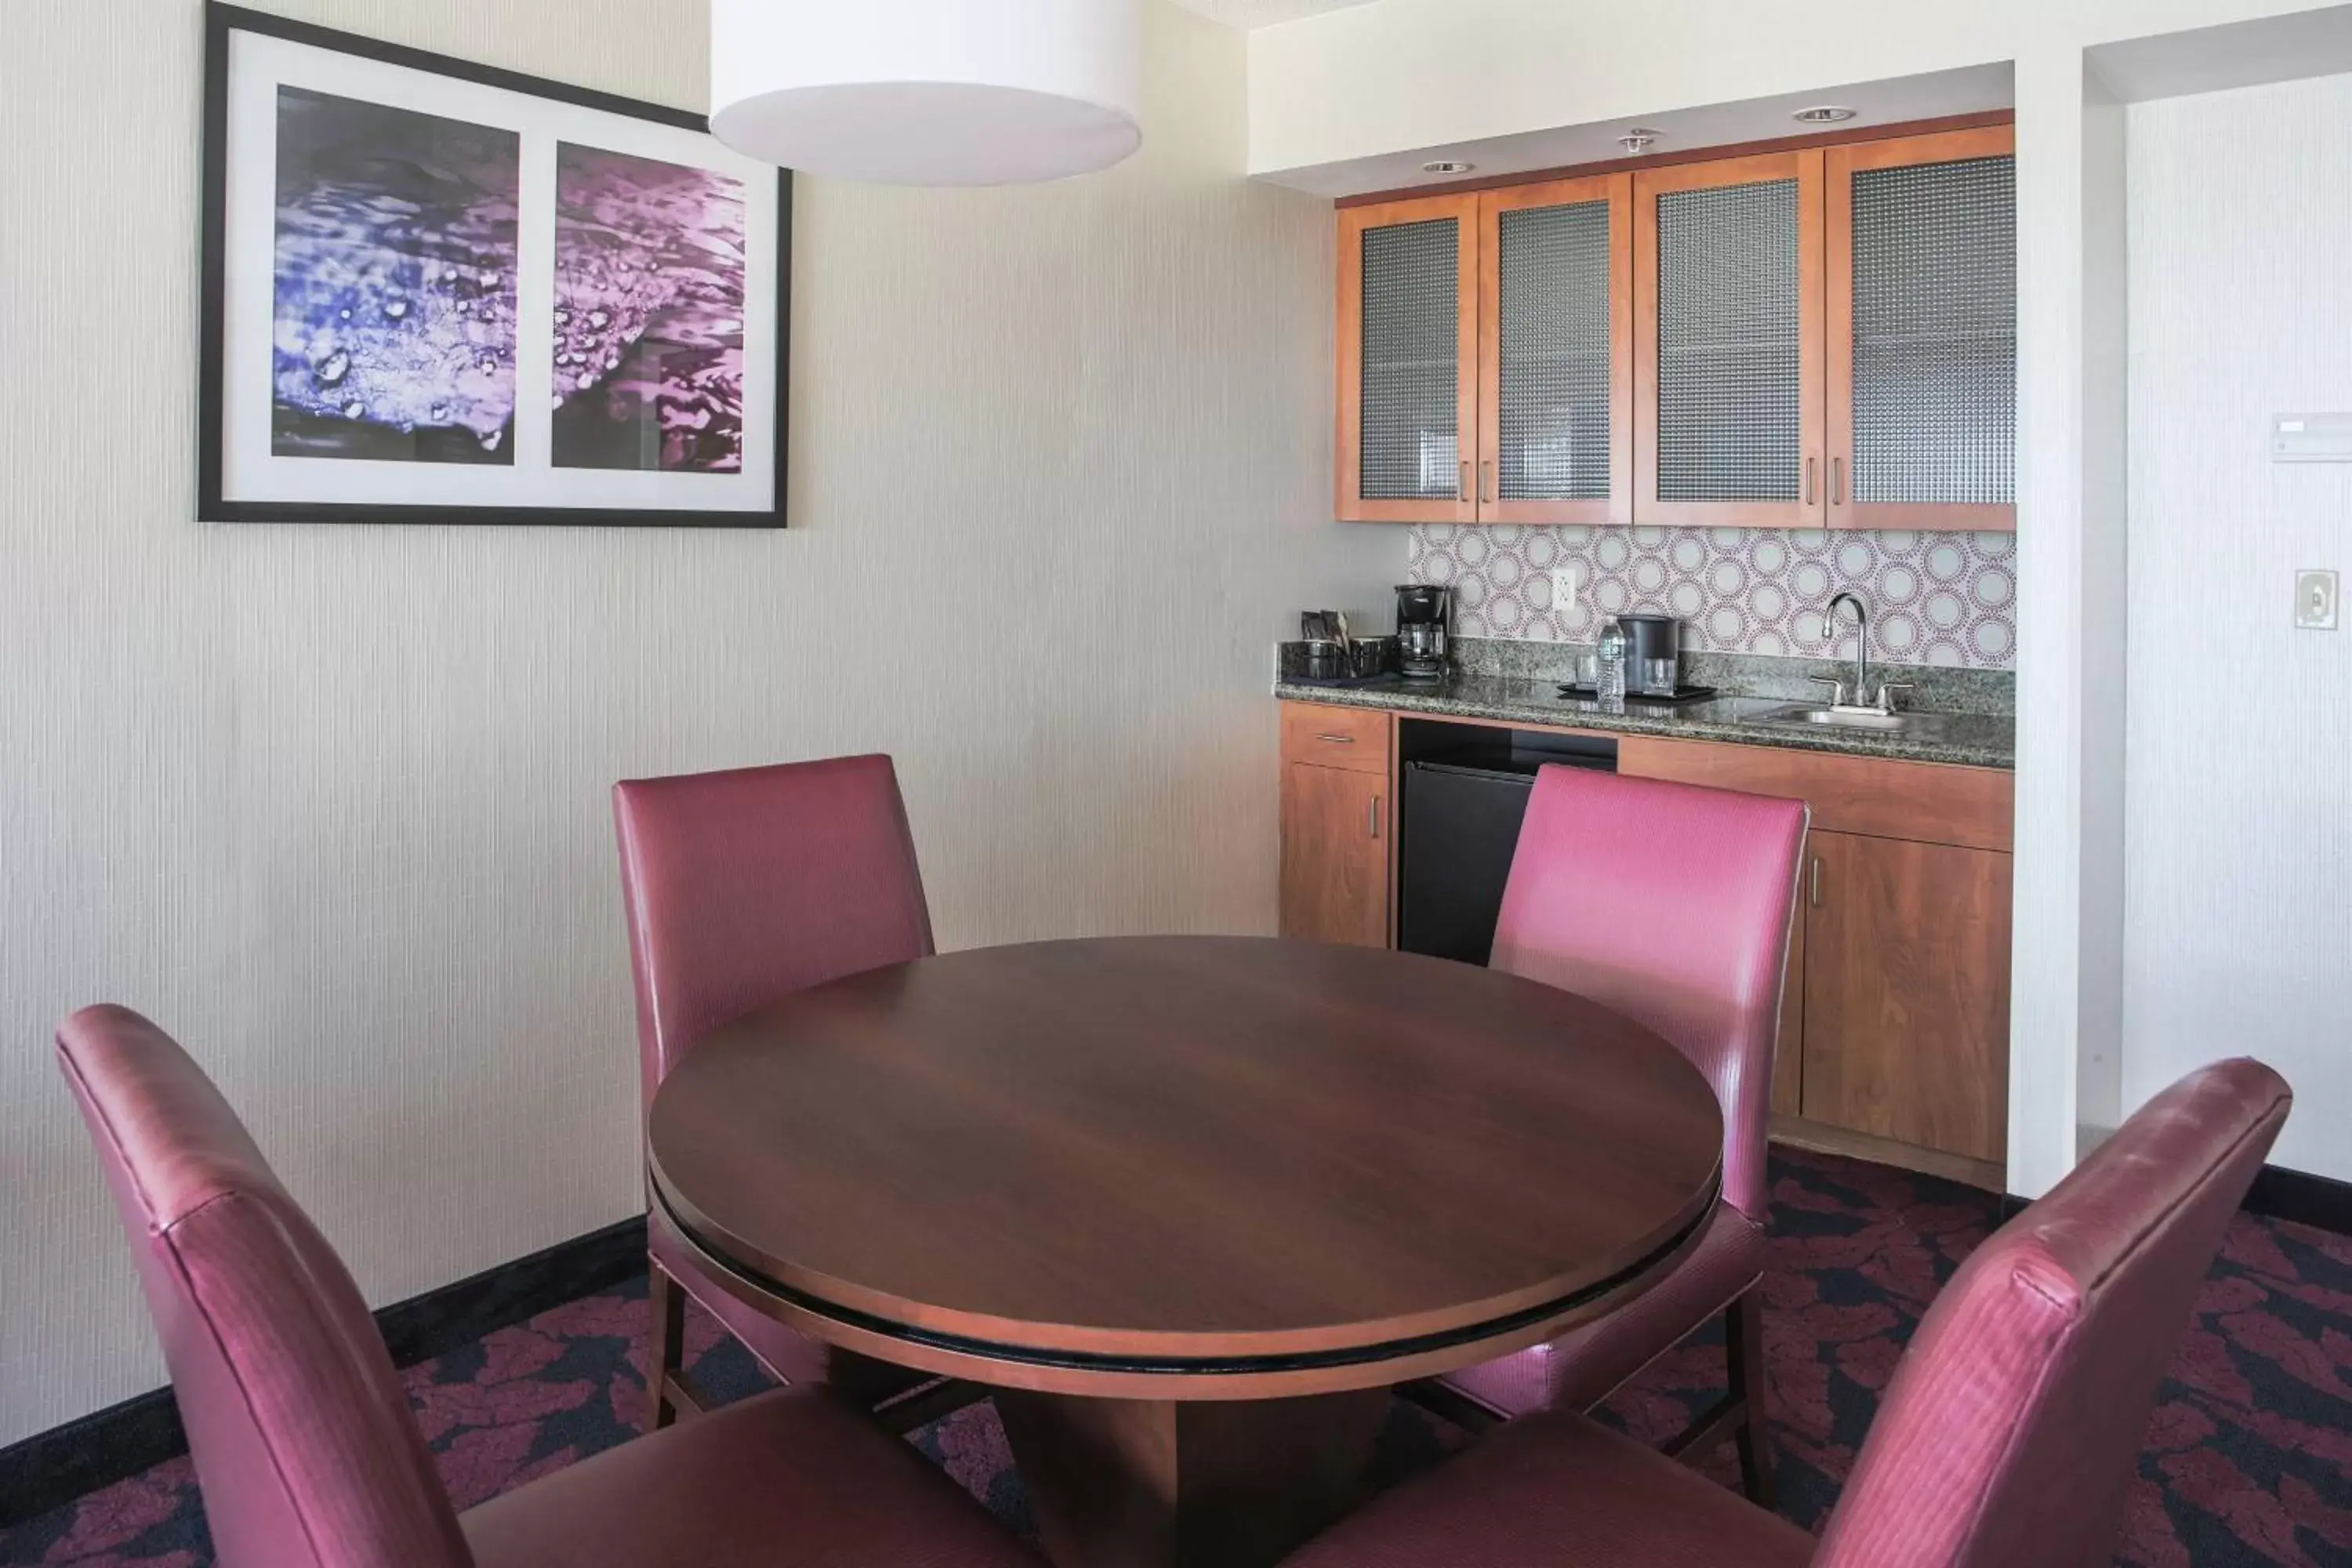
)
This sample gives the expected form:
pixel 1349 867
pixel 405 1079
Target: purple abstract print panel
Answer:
pixel 649 289
pixel 394 259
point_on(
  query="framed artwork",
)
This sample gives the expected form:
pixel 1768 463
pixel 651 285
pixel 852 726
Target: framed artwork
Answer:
pixel 438 293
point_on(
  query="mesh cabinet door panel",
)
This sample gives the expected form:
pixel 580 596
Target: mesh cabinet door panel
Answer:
pixel 1556 413
pixel 1730 355
pixel 1412 437
pixel 1935 334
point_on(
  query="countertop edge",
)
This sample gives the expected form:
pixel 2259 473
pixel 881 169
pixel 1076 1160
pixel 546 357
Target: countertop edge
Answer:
pixel 1488 698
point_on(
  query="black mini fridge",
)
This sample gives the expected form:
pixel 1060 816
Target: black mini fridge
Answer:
pixel 1459 827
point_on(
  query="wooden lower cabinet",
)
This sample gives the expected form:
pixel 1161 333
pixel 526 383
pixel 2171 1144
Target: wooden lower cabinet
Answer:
pixel 1335 824
pixel 1905 1022
pixel 1788 1064
pixel 1895 1016
pixel 1894 1011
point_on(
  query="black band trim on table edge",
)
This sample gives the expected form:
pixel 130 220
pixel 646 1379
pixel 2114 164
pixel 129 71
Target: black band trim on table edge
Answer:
pixel 1185 1366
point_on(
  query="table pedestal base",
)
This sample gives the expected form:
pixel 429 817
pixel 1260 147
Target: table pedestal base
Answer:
pixel 1134 1483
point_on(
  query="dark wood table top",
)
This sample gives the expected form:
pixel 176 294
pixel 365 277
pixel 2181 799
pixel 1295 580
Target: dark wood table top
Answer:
pixel 1114 1165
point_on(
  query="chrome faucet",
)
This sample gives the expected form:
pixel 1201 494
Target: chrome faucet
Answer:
pixel 1861 643
pixel 1861 700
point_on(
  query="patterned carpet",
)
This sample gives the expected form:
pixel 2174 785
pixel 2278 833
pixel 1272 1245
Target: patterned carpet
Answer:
pixel 2247 1460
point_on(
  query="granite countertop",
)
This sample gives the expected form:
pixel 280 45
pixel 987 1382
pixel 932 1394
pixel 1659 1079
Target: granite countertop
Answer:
pixel 1967 740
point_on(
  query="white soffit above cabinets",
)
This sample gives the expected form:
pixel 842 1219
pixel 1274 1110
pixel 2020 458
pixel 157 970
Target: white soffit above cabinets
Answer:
pixel 1247 14
pixel 1970 89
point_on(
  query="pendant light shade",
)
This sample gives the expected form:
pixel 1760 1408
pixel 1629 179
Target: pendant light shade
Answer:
pixel 928 92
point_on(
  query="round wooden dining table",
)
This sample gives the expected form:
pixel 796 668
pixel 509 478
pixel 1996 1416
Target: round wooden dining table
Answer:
pixel 1189 1206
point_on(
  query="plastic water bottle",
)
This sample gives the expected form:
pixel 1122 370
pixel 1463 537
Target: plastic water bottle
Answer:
pixel 1610 686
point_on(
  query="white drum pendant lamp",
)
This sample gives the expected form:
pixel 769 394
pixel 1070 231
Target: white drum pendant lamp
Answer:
pixel 928 92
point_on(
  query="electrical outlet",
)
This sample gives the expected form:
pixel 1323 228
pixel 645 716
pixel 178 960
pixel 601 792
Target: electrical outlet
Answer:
pixel 2314 600
pixel 1563 587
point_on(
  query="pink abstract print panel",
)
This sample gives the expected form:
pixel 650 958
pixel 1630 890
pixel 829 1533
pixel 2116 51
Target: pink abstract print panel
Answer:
pixel 1934 598
pixel 650 296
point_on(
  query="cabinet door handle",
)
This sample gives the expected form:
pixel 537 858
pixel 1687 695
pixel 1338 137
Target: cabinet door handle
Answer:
pixel 1817 881
pixel 1337 740
pixel 1464 494
pixel 1372 816
pixel 1487 469
pixel 1812 476
pixel 1837 481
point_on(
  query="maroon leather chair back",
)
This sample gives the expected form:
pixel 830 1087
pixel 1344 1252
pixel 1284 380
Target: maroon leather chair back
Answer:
pixel 2010 1436
pixel 301 1433
pixel 746 887
pixel 1670 904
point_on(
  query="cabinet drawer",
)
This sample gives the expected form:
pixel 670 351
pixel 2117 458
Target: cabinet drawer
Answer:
pixel 1931 803
pixel 1356 739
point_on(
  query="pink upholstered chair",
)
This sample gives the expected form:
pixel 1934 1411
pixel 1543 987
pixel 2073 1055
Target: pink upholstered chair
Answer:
pixel 302 1437
pixel 744 888
pixel 1671 905
pixel 2008 1439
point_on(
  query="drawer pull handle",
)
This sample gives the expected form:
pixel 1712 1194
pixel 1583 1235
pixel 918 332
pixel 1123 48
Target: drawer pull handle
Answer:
pixel 1337 740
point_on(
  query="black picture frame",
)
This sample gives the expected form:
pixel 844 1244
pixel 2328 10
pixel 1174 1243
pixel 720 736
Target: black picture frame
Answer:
pixel 221 22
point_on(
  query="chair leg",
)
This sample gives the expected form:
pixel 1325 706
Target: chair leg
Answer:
pixel 1744 1342
pixel 666 1348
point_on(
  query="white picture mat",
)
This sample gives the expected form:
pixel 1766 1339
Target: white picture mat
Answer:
pixel 260 65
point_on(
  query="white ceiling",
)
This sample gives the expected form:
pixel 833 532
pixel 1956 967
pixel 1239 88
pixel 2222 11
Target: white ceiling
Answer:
pixel 1263 13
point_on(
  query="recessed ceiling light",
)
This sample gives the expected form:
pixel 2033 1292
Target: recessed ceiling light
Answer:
pixel 1824 114
pixel 1639 139
pixel 1447 166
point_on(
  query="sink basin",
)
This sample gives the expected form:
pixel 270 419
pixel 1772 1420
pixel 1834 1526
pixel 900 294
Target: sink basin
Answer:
pixel 1799 716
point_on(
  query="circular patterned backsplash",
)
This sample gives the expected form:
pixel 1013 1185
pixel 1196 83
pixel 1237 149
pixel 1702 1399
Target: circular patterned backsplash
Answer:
pixel 1934 598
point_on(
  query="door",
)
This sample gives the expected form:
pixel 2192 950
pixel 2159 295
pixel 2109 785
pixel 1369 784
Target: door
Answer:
pixel 1730 412
pixel 1922 268
pixel 1335 855
pixel 1408 335
pixel 1907 992
pixel 1556 353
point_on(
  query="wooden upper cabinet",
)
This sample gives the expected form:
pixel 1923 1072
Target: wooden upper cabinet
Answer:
pixel 1408 374
pixel 1730 402
pixel 1922 258
pixel 1556 353
pixel 1822 338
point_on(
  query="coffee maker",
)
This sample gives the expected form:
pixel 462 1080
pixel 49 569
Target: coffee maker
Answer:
pixel 1424 627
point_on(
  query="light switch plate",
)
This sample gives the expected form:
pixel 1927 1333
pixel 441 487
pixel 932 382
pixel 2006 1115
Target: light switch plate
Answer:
pixel 1563 587
pixel 2311 438
pixel 2314 600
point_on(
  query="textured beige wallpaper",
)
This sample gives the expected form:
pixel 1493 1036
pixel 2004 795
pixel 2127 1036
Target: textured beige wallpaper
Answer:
pixel 330 803
pixel 2237 830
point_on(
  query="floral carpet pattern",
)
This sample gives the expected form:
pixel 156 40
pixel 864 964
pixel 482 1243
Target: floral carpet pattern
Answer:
pixel 2248 1458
